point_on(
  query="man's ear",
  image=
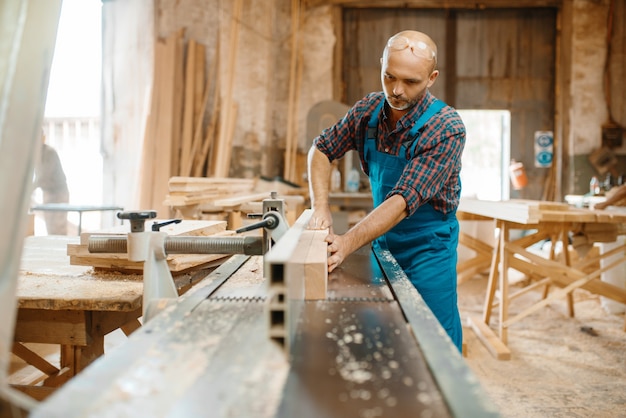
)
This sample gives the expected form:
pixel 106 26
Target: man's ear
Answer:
pixel 432 77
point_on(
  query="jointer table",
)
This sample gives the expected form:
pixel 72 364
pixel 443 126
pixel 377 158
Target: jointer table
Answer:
pixel 370 349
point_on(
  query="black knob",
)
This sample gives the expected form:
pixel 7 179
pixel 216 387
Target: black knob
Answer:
pixel 137 218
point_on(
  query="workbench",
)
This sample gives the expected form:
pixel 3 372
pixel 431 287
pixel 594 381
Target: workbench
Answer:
pixel 520 225
pixel 371 348
pixel 73 307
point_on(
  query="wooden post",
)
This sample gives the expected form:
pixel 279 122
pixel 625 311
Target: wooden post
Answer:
pixel 227 119
pixel 188 110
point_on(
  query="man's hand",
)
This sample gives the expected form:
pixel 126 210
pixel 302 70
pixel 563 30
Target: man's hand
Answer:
pixel 336 250
pixel 321 219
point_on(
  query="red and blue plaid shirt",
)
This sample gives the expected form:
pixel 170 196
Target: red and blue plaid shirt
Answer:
pixel 432 175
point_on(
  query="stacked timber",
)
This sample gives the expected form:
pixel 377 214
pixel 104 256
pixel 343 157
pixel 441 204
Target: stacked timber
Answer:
pixel 178 263
pixel 186 191
pixel 211 197
pixel 190 123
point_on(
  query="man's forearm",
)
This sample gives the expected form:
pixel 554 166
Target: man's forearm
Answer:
pixel 377 222
pixel 319 177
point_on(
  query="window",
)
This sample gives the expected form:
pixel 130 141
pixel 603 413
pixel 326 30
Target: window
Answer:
pixel 486 157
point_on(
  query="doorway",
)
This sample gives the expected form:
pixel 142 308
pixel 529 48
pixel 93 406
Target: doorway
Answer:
pixel 72 112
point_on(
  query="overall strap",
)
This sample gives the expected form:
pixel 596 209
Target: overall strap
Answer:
pixel 434 107
pixel 372 125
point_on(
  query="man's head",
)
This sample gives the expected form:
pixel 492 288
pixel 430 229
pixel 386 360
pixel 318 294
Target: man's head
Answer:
pixel 408 68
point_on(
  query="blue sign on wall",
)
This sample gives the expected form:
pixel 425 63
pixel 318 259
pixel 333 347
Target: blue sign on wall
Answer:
pixel 544 148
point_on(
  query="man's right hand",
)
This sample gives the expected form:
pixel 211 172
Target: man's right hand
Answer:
pixel 321 219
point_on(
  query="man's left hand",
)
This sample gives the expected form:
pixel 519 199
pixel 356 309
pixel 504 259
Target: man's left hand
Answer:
pixel 336 250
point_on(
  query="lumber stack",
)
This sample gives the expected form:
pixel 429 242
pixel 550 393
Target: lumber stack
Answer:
pixel 187 191
pixel 178 263
pixel 208 197
pixel 190 124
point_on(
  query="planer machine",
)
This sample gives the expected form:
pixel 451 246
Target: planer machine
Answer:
pixel 246 342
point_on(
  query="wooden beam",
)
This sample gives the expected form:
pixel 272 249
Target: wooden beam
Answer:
pixel 38 393
pixel 190 160
pixel 33 359
pixel 188 110
pixel 295 73
pixel 316 266
pixel 435 4
pixel 149 147
pixel 489 339
pixel 205 151
pixel 34 326
pixel 227 119
pixel 199 81
pixel 284 267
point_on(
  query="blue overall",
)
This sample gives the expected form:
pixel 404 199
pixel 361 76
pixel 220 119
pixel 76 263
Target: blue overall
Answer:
pixel 425 243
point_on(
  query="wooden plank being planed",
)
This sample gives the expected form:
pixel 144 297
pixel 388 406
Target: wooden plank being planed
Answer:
pixel 316 266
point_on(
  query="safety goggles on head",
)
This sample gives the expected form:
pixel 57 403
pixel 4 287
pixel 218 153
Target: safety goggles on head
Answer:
pixel 419 49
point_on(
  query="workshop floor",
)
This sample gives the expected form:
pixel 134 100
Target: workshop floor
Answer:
pixel 556 369
pixel 560 366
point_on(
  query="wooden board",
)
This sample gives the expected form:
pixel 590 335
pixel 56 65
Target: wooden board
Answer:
pixel 489 339
pixel 191 184
pixel 184 191
pixel 316 266
pixel 177 263
pixel 239 199
pixel 285 281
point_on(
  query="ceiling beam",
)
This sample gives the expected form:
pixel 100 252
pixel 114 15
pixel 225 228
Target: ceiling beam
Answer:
pixel 435 4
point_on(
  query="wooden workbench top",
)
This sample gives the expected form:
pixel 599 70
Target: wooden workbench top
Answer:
pixel 48 281
pixel 530 212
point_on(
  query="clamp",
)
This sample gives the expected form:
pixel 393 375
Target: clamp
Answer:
pixel 152 247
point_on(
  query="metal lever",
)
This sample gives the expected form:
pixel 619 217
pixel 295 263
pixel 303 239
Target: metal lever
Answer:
pixel 270 221
pixel 157 226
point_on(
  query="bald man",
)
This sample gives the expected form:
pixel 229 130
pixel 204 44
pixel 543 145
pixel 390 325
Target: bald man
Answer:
pixel 410 145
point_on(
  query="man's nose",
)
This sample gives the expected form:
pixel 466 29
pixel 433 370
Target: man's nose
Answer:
pixel 397 89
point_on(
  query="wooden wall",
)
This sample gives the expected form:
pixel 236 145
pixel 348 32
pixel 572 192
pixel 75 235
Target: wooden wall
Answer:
pixel 271 110
pixel 488 59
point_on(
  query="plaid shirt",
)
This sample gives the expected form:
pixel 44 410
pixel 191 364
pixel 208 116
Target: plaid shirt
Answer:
pixel 431 175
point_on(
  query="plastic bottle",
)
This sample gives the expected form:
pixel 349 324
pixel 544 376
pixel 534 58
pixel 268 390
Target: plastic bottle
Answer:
pixel 594 186
pixel 335 180
pixel 518 175
pixel 352 184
